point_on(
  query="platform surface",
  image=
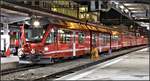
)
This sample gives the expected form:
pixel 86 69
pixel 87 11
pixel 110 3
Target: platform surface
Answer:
pixel 134 66
pixel 9 59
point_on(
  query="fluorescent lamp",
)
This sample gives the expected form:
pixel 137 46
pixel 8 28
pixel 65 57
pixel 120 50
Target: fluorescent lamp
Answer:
pixel 126 10
pixel 36 23
pixel 121 6
pixel 132 8
pixel 137 11
pixel 116 2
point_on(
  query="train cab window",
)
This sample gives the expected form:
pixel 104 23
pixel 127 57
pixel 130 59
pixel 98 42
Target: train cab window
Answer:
pixel 65 36
pixel 52 36
pixel 81 36
pixel 2 33
pixel 34 34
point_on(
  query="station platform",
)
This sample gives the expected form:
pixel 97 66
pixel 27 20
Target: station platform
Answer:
pixel 9 59
pixel 133 66
pixel 9 62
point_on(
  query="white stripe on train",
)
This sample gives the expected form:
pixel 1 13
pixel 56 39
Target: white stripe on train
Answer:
pixel 71 50
pixel 68 50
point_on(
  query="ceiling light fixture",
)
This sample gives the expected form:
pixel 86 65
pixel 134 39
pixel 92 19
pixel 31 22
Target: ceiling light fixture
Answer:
pixel 121 6
pixel 132 8
pixel 116 2
pixel 36 23
pixel 136 11
pixel 126 10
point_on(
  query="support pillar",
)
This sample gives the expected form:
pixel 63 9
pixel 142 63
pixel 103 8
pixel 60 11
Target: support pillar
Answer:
pixel 6 37
pixel 92 5
pixel 99 4
pixel 149 30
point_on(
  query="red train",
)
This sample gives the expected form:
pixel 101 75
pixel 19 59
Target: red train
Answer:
pixel 59 39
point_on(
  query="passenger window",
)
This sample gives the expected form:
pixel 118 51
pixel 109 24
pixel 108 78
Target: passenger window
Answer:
pixel 52 36
pixel 94 38
pixel 65 36
pixel 105 39
pixel 81 36
pixel 115 38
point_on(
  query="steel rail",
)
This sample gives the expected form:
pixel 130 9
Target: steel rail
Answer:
pixel 27 67
pixel 72 70
pixel 18 69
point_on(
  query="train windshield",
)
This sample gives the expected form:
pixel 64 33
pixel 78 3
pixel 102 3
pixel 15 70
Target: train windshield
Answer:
pixel 34 34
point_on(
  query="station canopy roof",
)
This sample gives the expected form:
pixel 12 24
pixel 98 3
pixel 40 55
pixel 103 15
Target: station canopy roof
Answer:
pixel 10 16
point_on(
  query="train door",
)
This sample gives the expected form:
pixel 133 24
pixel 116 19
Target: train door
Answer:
pixel 81 44
pixel 65 43
pixel 102 42
pixel 74 43
pixel 124 39
pixel 119 41
pixel 115 41
pixel 51 42
pixel 105 42
pixel 95 41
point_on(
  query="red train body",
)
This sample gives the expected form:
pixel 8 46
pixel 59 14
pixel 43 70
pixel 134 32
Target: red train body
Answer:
pixel 68 39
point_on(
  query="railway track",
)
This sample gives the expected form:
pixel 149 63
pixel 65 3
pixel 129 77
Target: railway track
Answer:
pixel 34 66
pixel 72 70
pixel 19 68
pixel 66 71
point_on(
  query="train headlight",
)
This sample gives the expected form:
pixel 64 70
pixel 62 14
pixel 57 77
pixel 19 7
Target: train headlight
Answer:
pixel 36 23
pixel 46 49
pixel 33 51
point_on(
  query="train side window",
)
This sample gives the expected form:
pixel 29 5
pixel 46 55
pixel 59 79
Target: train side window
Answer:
pixel 101 38
pixel 51 37
pixel 115 38
pixel 107 42
pixel 94 38
pixel 81 36
pixel 105 39
pixel 65 36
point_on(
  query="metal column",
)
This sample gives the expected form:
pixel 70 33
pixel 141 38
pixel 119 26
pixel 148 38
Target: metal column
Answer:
pixel 5 37
pixel 149 30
